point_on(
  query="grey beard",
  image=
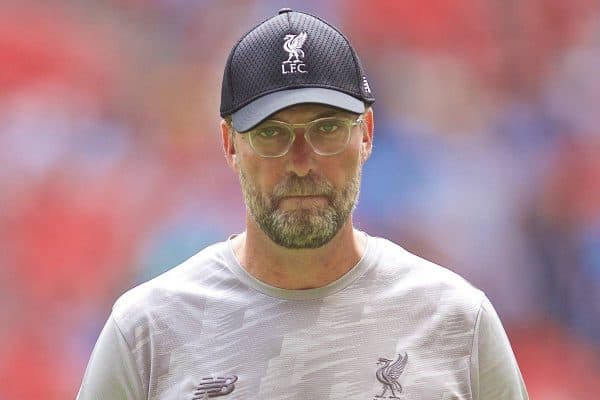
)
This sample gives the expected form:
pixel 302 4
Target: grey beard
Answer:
pixel 305 228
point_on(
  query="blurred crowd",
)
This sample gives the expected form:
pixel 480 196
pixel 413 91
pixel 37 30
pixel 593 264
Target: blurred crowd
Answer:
pixel 486 160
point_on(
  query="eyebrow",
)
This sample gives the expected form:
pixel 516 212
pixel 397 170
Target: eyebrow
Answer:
pixel 328 113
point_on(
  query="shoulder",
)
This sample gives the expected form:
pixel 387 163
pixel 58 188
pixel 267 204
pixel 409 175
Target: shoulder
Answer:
pixel 426 283
pixel 156 299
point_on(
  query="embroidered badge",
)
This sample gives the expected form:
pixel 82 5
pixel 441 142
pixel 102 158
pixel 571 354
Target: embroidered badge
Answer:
pixel 293 45
pixel 388 374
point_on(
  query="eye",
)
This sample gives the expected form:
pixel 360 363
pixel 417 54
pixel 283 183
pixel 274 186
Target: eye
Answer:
pixel 268 132
pixel 328 126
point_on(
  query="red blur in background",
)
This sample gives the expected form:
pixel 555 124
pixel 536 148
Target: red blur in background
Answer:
pixel 112 170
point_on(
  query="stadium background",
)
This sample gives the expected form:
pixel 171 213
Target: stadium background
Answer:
pixel 486 160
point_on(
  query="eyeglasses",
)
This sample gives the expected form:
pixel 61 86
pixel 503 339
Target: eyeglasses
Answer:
pixel 327 136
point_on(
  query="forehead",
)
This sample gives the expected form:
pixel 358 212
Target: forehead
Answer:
pixel 307 112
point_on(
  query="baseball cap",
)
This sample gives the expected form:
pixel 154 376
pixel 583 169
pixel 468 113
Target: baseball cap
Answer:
pixel 291 58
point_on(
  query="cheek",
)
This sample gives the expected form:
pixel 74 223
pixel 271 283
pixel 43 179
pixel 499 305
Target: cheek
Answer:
pixel 352 159
pixel 351 166
pixel 261 173
pixel 339 171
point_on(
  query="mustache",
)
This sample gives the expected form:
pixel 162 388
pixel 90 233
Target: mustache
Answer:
pixel 309 185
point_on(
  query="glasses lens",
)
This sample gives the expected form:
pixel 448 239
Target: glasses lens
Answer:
pixel 270 139
pixel 329 135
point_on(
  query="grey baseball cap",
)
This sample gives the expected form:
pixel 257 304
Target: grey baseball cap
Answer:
pixel 291 58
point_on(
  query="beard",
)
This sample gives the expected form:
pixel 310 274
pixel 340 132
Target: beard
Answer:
pixel 301 228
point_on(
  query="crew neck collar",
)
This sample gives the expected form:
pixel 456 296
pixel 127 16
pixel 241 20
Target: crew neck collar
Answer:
pixel 301 294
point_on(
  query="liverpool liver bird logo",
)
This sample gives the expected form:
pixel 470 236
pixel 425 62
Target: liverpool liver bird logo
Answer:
pixel 293 45
pixel 388 375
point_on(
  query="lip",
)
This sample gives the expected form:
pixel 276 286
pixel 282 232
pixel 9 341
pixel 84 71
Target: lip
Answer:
pixel 303 200
pixel 307 197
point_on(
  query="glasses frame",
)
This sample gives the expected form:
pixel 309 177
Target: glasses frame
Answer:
pixel 348 122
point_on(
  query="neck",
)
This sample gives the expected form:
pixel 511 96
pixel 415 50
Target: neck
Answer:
pixel 298 268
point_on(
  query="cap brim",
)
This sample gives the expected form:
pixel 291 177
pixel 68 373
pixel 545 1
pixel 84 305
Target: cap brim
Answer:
pixel 252 114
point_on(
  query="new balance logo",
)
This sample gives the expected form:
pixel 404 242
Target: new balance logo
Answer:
pixel 366 86
pixel 214 387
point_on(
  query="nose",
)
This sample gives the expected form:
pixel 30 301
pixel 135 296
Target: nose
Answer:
pixel 300 158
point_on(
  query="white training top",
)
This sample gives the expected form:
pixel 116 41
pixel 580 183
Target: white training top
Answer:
pixel 395 326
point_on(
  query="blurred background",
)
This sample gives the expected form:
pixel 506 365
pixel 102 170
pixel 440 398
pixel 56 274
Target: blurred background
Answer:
pixel 486 160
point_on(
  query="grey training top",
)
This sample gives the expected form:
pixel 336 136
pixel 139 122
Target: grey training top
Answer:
pixel 395 326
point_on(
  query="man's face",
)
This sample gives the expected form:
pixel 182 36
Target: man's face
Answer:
pixel 301 200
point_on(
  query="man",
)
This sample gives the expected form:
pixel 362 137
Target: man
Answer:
pixel 301 305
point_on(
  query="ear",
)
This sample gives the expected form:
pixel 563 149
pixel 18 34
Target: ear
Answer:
pixel 228 145
pixel 367 139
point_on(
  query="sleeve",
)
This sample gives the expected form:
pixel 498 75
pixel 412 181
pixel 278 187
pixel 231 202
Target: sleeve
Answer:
pixel 494 370
pixel 111 372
